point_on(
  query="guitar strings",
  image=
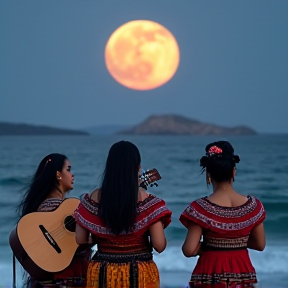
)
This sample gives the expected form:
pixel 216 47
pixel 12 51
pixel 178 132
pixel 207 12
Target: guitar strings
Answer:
pixel 60 229
pixel 41 238
pixel 55 232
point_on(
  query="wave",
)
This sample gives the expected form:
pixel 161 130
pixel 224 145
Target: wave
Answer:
pixel 273 259
pixel 183 160
pixel 276 205
pixel 13 181
pixel 173 265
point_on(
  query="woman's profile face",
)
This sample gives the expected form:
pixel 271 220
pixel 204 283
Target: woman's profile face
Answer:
pixel 66 180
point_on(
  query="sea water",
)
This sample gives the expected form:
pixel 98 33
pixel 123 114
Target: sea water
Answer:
pixel 262 172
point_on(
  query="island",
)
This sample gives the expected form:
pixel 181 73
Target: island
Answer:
pixel 180 125
pixel 9 129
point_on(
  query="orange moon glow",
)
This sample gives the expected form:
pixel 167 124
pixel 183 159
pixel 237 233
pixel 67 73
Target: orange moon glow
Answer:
pixel 142 55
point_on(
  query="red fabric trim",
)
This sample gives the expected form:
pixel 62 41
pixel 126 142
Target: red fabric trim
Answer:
pixel 221 219
pixel 149 211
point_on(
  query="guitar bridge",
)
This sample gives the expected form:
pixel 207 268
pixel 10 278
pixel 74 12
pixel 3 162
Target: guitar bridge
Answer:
pixel 50 239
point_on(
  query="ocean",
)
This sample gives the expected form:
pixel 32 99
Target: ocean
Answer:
pixel 262 172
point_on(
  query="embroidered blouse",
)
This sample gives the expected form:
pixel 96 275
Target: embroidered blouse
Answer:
pixel 224 227
pixel 149 211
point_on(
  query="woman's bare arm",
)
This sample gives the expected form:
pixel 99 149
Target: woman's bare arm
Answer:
pixel 158 237
pixel 82 235
pixel 191 245
pixel 257 240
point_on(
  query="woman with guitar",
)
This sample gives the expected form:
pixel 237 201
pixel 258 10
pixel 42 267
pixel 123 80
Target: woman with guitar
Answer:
pixel 46 191
pixel 125 222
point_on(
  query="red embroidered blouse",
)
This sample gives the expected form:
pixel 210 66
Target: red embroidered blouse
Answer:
pixel 226 230
pixel 149 211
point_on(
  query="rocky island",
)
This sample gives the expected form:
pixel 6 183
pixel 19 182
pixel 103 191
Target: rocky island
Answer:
pixel 26 129
pixel 179 125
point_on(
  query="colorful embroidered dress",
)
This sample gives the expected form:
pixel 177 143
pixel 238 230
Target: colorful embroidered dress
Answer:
pixel 124 260
pixel 75 274
pixel 224 260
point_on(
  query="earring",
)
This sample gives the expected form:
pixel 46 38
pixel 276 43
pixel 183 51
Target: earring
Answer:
pixel 59 178
pixel 208 181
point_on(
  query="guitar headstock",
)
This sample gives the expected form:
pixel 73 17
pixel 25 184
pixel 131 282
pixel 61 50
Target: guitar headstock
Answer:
pixel 149 178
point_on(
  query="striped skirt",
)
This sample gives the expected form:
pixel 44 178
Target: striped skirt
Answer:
pixel 122 271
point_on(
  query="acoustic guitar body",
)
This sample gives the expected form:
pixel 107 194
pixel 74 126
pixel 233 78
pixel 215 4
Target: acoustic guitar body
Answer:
pixel 44 242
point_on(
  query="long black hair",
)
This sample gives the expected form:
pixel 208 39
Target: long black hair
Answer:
pixel 119 189
pixel 219 161
pixel 42 183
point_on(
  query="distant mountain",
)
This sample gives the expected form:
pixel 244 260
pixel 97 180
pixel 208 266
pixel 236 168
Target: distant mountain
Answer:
pixel 105 129
pixel 179 125
pixel 26 129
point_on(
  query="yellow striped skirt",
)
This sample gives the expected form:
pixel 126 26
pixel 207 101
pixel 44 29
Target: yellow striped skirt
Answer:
pixel 122 271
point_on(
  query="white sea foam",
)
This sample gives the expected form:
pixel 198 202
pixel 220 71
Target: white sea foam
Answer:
pixel 273 259
pixel 177 268
pixel 6 274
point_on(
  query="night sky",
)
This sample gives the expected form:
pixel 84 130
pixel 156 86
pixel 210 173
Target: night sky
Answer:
pixel 233 63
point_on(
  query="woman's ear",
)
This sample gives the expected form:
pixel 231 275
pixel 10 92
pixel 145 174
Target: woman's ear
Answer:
pixel 234 173
pixel 58 175
pixel 139 170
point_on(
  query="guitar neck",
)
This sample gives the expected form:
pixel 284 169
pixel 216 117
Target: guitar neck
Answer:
pixel 149 178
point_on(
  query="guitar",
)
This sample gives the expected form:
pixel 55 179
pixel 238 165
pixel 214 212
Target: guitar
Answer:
pixel 44 242
pixel 149 178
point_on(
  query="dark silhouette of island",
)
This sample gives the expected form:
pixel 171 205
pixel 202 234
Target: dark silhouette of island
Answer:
pixel 104 130
pixel 26 129
pixel 179 125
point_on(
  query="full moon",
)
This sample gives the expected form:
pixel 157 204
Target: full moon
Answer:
pixel 142 55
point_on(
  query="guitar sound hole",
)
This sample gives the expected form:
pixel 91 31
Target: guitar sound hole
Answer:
pixel 70 223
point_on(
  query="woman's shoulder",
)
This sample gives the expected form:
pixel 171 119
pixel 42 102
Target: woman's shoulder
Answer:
pixel 198 203
pixel 195 212
pixel 256 207
pixel 148 201
pixel 89 202
pixel 153 209
pixel 206 204
pixel 252 205
pixel 49 204
pixel 95 195
pixel 142 195
pixel 256 201
pixel 204 212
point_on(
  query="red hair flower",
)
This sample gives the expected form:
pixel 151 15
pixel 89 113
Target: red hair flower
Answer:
pixel 48 160
pixel 215 150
